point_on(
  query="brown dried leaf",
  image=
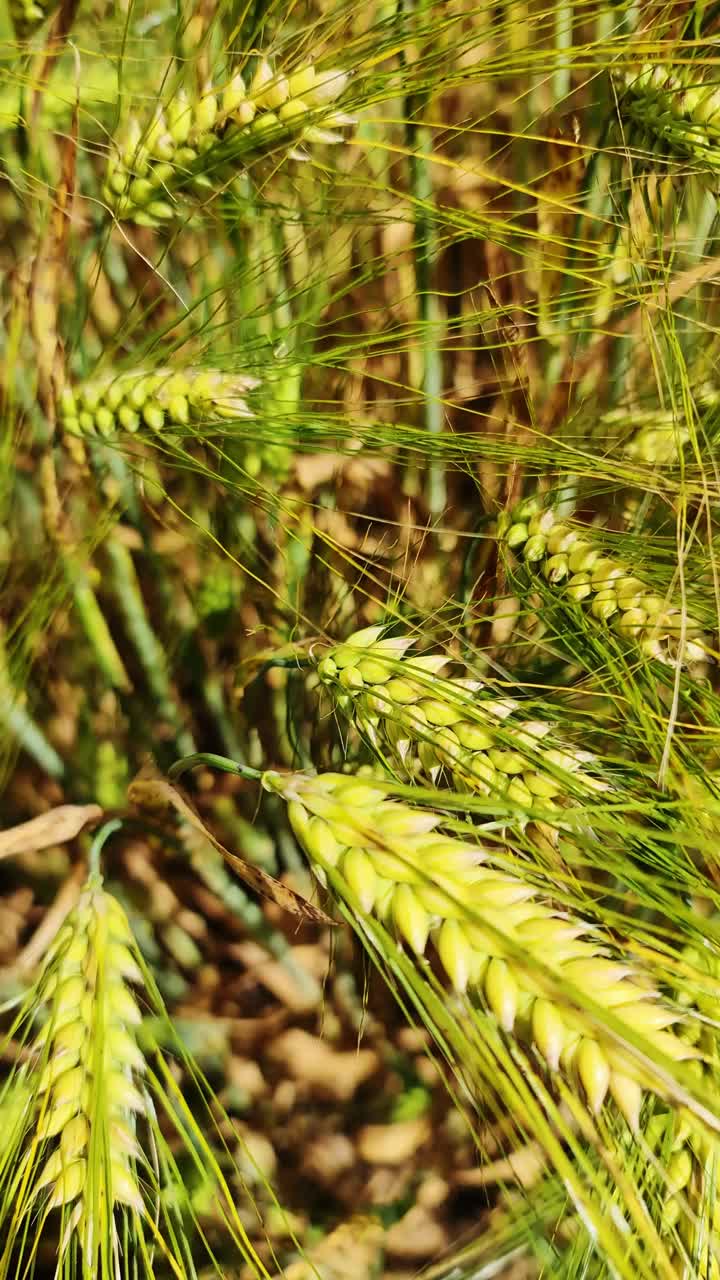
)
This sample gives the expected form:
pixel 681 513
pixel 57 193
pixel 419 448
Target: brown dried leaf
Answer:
pixel 57 826
pixel 151 791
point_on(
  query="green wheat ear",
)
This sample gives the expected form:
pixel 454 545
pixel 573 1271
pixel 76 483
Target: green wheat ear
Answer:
pixel 427 724
pixel 79 1152
pixel 28 15
pixel 155 399
pixel 614 596
pixel 677 109
pixel 83 1155
pixel 195 145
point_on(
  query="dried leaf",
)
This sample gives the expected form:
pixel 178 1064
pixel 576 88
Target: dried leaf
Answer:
pixel 57 826
pixel 151 791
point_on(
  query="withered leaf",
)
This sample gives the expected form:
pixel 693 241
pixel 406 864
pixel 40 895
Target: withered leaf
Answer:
pixel 151 791
pixel 57 826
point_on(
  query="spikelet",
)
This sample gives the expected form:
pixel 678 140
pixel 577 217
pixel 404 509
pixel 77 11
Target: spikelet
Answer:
pixel 610 591
pixel 428 885
pixel 83 1157
pixel 676 109
pixel 197 145
pixel 427 724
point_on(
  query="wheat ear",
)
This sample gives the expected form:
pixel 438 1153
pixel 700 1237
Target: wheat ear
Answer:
pixel 157 399
pixel 196 145
pixel 609 589
pixel 81 1154
pixel 390 861
pixel 427 724
pixel 681 113
pixel 688 1154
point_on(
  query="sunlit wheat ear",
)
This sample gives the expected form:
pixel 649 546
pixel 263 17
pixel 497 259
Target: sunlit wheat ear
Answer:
pixel 156 400
pixel 195 145
pixel 84 1160
pixel 674 107
pixel 80 1154
pixel 610 591
pixel 388 859
pixel 426 724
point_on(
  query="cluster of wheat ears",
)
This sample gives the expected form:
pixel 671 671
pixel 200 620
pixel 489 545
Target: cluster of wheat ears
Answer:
pixel 510 881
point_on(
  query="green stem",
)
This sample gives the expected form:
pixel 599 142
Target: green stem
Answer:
pixel 425 248
pixel 149 649
pixel 96 628
pixel 100 840
pixel 563 42
pixel 211 761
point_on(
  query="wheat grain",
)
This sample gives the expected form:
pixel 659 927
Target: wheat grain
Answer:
pixel 425 884
pixel 614 596
pixel 196 145
pixel 427 724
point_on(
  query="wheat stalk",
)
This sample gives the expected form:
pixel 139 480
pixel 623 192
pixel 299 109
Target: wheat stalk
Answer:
pixel 391 862
pixel 427 724
pixel 196 144
pixel 614 596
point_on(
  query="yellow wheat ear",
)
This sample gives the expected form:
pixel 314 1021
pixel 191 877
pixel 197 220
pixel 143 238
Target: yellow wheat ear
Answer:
pixel 493 935
pixel 83 1158
pixel 77 1148
pixel 194 145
